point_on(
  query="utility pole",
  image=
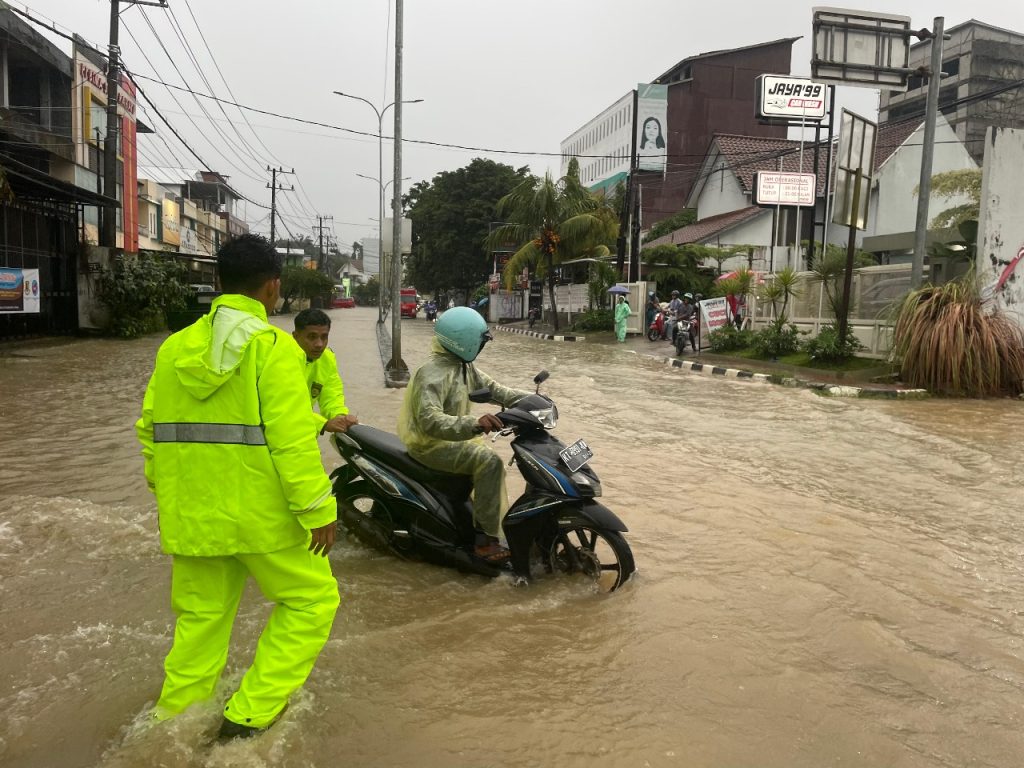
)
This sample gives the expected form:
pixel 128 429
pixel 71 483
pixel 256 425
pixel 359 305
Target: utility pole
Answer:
pixel 108 228
pixel 322 261
pixel 924 188
pixel 273 186
pixel 398 372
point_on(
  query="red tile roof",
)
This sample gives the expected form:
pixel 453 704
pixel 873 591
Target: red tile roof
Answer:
pixel 748 154
pixel 892 136
pixel 703 230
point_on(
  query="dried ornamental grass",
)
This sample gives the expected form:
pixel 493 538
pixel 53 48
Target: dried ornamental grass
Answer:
pixel 949 343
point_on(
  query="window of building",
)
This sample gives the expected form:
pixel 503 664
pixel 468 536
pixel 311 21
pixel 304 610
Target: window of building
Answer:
pixel 951 67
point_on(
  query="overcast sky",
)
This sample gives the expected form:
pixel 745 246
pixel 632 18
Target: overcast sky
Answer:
pixel 502 75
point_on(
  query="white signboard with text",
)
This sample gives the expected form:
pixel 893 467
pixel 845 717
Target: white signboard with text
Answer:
pixel 790 98
pixel 791 189
pixel 714 314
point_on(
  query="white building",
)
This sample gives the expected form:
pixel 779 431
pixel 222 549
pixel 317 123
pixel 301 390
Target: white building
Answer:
pixel 609 136
pixel 371 255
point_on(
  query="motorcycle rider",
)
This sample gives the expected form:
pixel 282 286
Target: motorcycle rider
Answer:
pixel 688 312
pixel 674 306
pixel 312 327
pixel 435 425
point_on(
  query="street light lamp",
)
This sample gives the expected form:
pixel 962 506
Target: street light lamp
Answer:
pixel 380 157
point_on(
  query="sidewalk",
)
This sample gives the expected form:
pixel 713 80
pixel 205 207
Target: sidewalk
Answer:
pixel 831 383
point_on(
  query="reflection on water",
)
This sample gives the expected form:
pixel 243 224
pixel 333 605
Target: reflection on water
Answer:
pixel 821 582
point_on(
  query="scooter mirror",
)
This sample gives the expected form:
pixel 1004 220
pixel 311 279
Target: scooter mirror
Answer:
pixel 540 378
pixel 480 395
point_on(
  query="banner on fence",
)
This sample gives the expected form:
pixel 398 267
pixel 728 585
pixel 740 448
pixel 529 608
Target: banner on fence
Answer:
pixel 19 290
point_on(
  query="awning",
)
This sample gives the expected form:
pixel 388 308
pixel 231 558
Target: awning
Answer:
pixel 29 183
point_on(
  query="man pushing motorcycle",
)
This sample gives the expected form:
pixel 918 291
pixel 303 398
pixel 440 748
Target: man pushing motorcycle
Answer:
pixel 438 430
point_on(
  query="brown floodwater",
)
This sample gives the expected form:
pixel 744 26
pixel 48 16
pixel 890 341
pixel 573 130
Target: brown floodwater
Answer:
pixel 821 582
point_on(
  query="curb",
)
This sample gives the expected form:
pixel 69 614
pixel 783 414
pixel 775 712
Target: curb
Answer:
pixel 713 370
pixel 842 390
pixel 821 388
pixel 536 335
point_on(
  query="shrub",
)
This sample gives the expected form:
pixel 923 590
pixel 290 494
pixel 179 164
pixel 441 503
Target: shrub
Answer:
pixel 594 320
pixel 139 292
pixel 299 282
pixel 776 340
pixel 826 345
pixel 948 342
pixel 728 339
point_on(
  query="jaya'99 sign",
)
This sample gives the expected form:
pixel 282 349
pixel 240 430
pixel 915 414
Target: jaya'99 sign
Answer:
pixel 780 97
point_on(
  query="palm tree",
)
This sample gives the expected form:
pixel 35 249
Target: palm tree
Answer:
pixel 555 221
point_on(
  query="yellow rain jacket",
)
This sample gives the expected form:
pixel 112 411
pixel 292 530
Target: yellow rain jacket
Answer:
pixel 438 430
pixel 228 437
pixel 325 388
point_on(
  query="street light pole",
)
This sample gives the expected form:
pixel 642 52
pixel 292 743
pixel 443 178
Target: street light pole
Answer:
pixel 399 371
pixel 927 153
pixel 381 313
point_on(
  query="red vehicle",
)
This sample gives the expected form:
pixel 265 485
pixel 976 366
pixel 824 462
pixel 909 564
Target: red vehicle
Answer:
pixel 344 302
pixel 409 305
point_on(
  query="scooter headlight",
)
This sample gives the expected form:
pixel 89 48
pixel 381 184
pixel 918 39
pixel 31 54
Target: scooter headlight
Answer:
pixel 546 416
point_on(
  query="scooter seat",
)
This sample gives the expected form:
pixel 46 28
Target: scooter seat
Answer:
pixel 386 447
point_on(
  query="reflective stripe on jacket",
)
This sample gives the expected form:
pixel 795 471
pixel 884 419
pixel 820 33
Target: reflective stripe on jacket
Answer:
pixel 228 438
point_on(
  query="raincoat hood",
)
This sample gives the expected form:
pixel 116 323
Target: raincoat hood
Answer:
pixel 212 347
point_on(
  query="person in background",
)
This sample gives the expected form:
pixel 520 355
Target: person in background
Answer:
pixel 621 316
pixel 438 430
pixel 312 328
pixel 230 451
pixel 652 310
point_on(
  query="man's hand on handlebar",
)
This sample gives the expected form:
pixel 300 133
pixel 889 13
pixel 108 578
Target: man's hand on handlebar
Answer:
pixel 489 423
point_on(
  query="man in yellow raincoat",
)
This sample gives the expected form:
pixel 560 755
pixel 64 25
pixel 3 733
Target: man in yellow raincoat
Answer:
pixel 438 431
pixel 312 329
pixel 229 442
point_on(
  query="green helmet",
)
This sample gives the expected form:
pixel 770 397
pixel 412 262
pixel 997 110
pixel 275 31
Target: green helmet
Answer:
pixel 463 332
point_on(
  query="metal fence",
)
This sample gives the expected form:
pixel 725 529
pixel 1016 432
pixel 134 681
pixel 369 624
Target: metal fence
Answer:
pixel 874 293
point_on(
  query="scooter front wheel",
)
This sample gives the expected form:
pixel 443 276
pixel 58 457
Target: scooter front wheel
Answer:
pixel 601 555
pixel 652 334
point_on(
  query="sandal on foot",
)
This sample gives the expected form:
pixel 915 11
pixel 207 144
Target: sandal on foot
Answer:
pixel 492 553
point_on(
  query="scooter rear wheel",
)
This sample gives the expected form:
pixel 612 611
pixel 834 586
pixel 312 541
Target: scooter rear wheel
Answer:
pixel 366 517
pixel 603 556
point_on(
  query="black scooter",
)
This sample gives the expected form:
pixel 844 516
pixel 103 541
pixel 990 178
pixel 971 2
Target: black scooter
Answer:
pixel 389 501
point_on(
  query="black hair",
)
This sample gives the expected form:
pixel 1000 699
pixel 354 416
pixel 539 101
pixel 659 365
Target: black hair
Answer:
pixel 658 142
pixel 245 263
pixel 309 317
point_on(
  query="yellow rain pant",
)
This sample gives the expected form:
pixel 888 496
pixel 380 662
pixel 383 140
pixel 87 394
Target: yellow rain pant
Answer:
pixel 471 457
pixel 205 592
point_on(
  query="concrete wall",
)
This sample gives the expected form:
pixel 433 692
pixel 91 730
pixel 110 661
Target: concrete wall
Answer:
pixel 1000 264
pixel 893 205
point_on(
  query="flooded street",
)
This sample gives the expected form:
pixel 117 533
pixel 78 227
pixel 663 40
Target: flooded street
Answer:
pixel 821 582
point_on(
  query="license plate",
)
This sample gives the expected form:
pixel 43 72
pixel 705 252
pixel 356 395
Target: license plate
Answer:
pixel 576 455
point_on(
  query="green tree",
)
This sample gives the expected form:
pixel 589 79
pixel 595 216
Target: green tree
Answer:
pixel 964 183
pixel 367 294
pixel 139 291
pixel 299 282
pixel 552 222
pixel 684 218
pixel 451 217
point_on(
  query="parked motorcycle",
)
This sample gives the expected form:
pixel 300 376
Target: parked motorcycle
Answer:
pixel 657 329
pixel 389 501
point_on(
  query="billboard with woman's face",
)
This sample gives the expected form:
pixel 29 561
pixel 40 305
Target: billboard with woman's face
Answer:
pixel 651 126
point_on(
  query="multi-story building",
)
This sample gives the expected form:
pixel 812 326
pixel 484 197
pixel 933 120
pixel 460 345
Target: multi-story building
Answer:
pixel 44 194
pixel 706 94
pixel 984 68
